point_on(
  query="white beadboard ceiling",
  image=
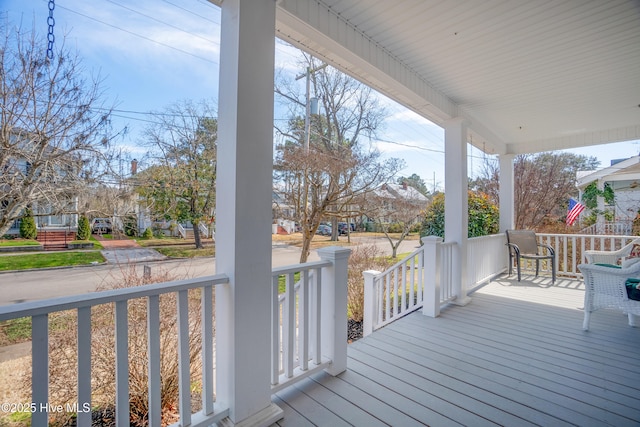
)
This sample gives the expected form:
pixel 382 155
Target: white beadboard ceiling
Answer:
pixel 529 75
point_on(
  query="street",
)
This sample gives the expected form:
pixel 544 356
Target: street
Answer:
pixel 21 286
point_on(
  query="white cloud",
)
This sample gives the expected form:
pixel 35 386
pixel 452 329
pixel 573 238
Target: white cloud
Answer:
pixel 152 30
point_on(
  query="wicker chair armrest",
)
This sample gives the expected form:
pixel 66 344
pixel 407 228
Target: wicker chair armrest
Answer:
pixel 602 257
pixel 609 257
pixel 603 270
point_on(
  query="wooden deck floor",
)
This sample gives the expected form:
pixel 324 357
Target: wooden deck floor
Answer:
pixel 515 356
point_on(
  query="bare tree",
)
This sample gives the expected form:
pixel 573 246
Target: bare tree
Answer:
pixel 543 184
pixel 54 127
pixel 396 209
pixel 181 183
pixel 323 181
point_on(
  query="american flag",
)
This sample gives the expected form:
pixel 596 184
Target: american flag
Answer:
pixel 575 208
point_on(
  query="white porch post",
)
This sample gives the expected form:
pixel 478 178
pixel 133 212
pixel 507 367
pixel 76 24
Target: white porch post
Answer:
pixel 370 301
pixel 334 307
pixel 456 215
pixel 507 198
pixel 243 193
pixel 431 304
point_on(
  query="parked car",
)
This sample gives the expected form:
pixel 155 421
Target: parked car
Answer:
pixel 343 228
pixel 101 225
pixel 324 230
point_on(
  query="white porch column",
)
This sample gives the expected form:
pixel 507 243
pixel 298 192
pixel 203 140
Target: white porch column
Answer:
pixel 456 214
pixel 334 307
pixel 431 304
pixel 243 210
pixel 507 198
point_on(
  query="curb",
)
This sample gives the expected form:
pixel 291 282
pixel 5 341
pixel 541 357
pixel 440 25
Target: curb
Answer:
pixel 62 267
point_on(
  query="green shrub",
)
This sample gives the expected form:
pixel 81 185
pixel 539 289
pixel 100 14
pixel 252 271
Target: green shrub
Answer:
pixel 395 227
pixel 84 231
pixel 148 233
pixel 130 225
pixel 483 216
pixel 28 225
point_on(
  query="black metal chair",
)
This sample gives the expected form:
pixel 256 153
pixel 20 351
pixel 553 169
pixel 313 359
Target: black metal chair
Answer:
pixel 524 244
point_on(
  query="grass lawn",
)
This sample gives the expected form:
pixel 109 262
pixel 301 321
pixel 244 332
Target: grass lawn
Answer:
pixel 15 331
pixel 165 241
pixel 182 252
pixel 96 244
pixel 18 242
pixel 295 239
pixel 53 259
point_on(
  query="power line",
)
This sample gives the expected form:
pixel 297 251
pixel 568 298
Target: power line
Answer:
pixel 162 22
pixel 140 36
pixel 194 13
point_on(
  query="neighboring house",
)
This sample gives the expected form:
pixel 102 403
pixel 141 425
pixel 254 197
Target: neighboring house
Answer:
pixel 48 216
pixel 623 176
pixel 393 200
pixel 50 222
pixel 282 214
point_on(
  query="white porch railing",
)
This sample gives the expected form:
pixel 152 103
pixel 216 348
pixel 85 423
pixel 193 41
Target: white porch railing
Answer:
pixel 570 249
pixel 204 231
pixel 308 334
pixel 39 311
pixel 393 293
pixel 308 319
pixel 425 279
pixel 622 227
pixel 296 324
pixel 181 231
pixel 446 287
pixel 487 257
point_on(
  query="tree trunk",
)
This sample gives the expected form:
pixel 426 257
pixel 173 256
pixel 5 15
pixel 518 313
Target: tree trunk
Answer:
pixel 335 233
pixel 306 244
pixel 196 236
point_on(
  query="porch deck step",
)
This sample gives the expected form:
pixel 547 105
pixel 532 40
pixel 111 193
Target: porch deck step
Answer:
pixel 55 240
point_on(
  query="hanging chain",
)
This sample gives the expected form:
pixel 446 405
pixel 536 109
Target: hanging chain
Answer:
pixel 50 37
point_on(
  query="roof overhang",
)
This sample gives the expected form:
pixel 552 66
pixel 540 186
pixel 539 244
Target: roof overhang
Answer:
pixel 527 76
pixel 626 170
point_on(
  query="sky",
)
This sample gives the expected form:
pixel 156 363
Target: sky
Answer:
pixel 153 53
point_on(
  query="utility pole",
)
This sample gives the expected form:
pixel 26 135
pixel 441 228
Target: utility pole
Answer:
pixel 308 112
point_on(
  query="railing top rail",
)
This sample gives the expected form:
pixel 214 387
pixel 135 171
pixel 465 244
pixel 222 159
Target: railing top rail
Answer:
pixel 299 267
pixel 488 236
pixel 401 262
pixel 34 308
pixel 597 236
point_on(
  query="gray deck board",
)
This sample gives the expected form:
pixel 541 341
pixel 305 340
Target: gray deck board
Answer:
pixel 515 356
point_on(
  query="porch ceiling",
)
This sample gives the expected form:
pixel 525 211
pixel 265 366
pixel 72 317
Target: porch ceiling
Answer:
pixel 529 76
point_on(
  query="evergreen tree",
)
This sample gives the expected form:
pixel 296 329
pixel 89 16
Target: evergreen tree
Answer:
pixel 28 225
pixel 84 231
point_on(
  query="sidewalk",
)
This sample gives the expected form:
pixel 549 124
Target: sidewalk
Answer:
pixel 118 251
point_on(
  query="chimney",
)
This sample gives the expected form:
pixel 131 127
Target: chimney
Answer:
pixel 134 167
